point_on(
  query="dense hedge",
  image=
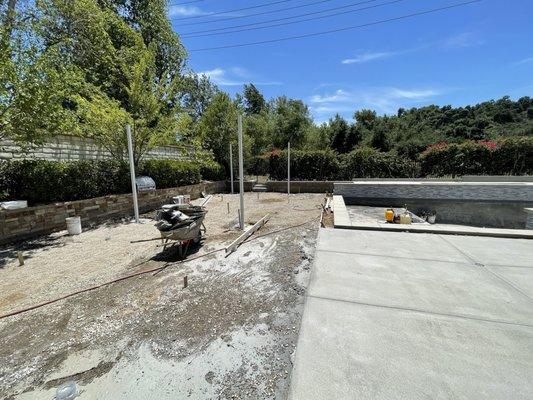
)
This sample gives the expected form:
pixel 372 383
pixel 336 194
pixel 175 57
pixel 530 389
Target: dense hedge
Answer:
pixel 305 165
pixel 508 156
pixel 41 181
pixel 369 163
pixel 170 173
pixel 258 165
pixel 212 171
pixel 327 165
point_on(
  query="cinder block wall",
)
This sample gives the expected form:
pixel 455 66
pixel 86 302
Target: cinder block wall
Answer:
pixel 476 191
pixel 41 220
pixel 485 204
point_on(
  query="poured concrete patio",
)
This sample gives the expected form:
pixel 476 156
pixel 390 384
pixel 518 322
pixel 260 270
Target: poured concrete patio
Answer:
pixel 415 316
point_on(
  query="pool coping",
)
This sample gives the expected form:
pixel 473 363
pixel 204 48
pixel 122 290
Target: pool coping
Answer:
pixel 341 220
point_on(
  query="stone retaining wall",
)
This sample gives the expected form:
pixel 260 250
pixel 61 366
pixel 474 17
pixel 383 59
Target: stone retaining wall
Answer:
pixel 300 186
pixel 41 220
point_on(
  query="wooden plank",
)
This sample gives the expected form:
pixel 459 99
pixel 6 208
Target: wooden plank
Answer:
pixel 206 200
pixel 237 242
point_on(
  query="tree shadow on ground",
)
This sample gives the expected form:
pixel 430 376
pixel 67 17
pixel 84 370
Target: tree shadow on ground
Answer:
pixel 28 248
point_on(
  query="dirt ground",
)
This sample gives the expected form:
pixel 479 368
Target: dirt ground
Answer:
pixel 229 334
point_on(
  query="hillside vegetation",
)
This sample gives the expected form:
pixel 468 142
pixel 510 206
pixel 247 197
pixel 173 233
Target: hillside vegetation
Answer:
pixel 89 67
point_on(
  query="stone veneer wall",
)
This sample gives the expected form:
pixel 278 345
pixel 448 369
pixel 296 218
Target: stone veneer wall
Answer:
pixel 40 220
pixel 300 186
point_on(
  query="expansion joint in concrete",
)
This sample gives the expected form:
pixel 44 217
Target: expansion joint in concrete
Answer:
pixel 488 270
pixel 421 311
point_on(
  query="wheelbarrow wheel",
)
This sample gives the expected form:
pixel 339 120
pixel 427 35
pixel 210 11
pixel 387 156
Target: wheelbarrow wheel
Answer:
pixel 198 238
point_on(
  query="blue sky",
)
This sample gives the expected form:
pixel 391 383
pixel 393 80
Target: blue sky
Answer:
pixel 458 56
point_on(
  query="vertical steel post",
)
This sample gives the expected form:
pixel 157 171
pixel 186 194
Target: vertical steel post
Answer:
pixel 132 174
pixel 231 166
pixel 289 168
pixel 241 171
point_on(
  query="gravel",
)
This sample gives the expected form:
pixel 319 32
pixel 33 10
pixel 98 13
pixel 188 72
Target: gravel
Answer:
pixel 229 334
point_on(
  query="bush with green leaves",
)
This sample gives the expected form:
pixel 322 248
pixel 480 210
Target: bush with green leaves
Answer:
pixel 506 156
pixel 41 181
pixel 212 171
pixel 258 165
pixel 305 165
pixel 171 173
pixel 367 162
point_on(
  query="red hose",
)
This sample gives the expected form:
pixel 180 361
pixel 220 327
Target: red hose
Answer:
pixel 123 278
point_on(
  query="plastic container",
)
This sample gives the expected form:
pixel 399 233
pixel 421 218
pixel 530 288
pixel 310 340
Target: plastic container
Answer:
pixel 182 199
pixel 405 219
pixel 389 215
pixel 73 225
pixel 67 391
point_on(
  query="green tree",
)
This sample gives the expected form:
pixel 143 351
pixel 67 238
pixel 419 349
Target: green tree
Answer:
pixel 120 75
pixel 198 94
pixel 339 132
pixel 292 122
pixel 366 118
pixel 31 87
pixel 217 127
pixel 254 102
pixel 380 139
pixel 354 138
pixel 259 128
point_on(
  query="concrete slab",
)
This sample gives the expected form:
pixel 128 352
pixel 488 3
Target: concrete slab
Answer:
pixel 351 351
pixel 518 276
pixel 414 316
pixel 496 251
pixel 395 244
pixel 432 286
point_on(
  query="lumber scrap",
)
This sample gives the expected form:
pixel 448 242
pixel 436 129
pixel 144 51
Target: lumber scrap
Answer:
pixel 237 242
pixel 206 200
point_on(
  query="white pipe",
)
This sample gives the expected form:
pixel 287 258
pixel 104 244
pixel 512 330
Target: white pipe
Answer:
pixel 241 171
pixel 132 174
pixel 289 168
pixel 231 166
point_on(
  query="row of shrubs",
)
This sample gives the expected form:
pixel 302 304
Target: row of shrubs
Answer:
pixel 41 181
pixel 327 165
pixel 508 156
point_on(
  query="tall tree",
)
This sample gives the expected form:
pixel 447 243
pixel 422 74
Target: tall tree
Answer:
pixel 339 132
pixel 292 122
pixel 31 88
pixel 118 69
pixel 217 127
pixel 254 102
pixel 198 93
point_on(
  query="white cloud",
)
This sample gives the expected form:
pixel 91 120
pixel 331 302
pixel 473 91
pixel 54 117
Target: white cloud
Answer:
pixel 185 11
pixel 339 95
pixel 412 94
pixel 385 100
pixel 366 57
pixel 524 61
pixel 461 40
pixel 234 76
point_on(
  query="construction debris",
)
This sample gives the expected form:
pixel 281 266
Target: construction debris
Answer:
pixel 237 242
